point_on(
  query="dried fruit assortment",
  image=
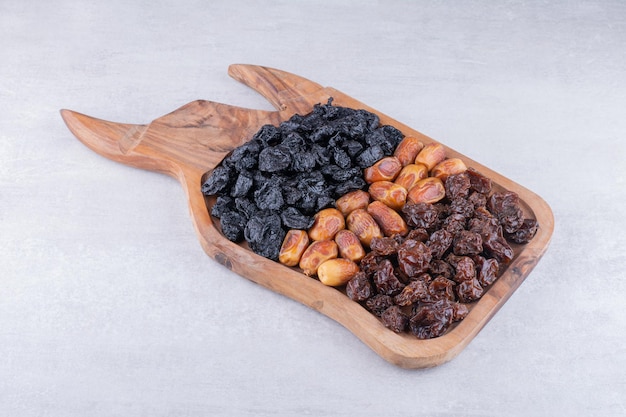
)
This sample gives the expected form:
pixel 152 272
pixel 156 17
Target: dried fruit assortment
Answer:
pixel 284 175
pixel 410 234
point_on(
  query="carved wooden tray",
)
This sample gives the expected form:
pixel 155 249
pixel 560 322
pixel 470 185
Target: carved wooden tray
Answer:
pixel 193 139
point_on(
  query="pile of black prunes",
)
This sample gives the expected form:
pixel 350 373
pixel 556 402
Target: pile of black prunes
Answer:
pixel 284 175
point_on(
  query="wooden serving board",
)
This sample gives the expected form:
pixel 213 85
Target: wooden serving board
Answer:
pixel 194 139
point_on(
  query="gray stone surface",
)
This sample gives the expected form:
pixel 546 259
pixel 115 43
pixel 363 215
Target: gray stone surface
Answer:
pixel 109 306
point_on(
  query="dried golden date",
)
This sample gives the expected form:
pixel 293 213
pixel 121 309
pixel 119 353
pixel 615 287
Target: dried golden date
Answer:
pixel 431 155
pixel 317 253
pixel 294 245
pixel 363 225
pixel 393 195
pixel 428 190
pixel 447 167
pixel 384 170
pixel 357 199
pixel 336 272
pixel 349 245
pixel 390 222
pixel 410 175
pixel 326 224
pixel 407 150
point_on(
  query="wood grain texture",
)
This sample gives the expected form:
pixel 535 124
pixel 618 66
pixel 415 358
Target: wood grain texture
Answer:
pixel 194 139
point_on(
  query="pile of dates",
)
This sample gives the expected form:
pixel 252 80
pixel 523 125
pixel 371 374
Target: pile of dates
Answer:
pixel 410 234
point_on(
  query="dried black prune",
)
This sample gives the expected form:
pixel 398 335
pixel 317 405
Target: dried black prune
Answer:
pixel 305 163
pixel 233 225
pixel 264 234
pixel 274 159
pixel 341 158
pixel 243 184
pixel 294 219
pixel 245 207
pixel 353 184
pixel 269 197
pixel 370 156
pixel 222 205
pixel 217 181
pixel 268 135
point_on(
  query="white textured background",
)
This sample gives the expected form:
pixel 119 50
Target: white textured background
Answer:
pixel 108 305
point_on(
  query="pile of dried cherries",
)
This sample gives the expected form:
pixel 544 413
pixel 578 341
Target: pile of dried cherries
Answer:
pixel 420 281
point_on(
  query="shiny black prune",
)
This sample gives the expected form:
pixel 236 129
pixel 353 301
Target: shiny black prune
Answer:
pixel 341 158
pixel 343 175
pixel 233 225
pixel 264 234
pixel 243 184
pixel 294 219
pixel 222 205
pixel 353 184
pixel 352 147
pixel 303 161
pixel 216 181
pixel 274 159
pixel 268 135
pixel 246 207
pixel 369 156
pixel 269 197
